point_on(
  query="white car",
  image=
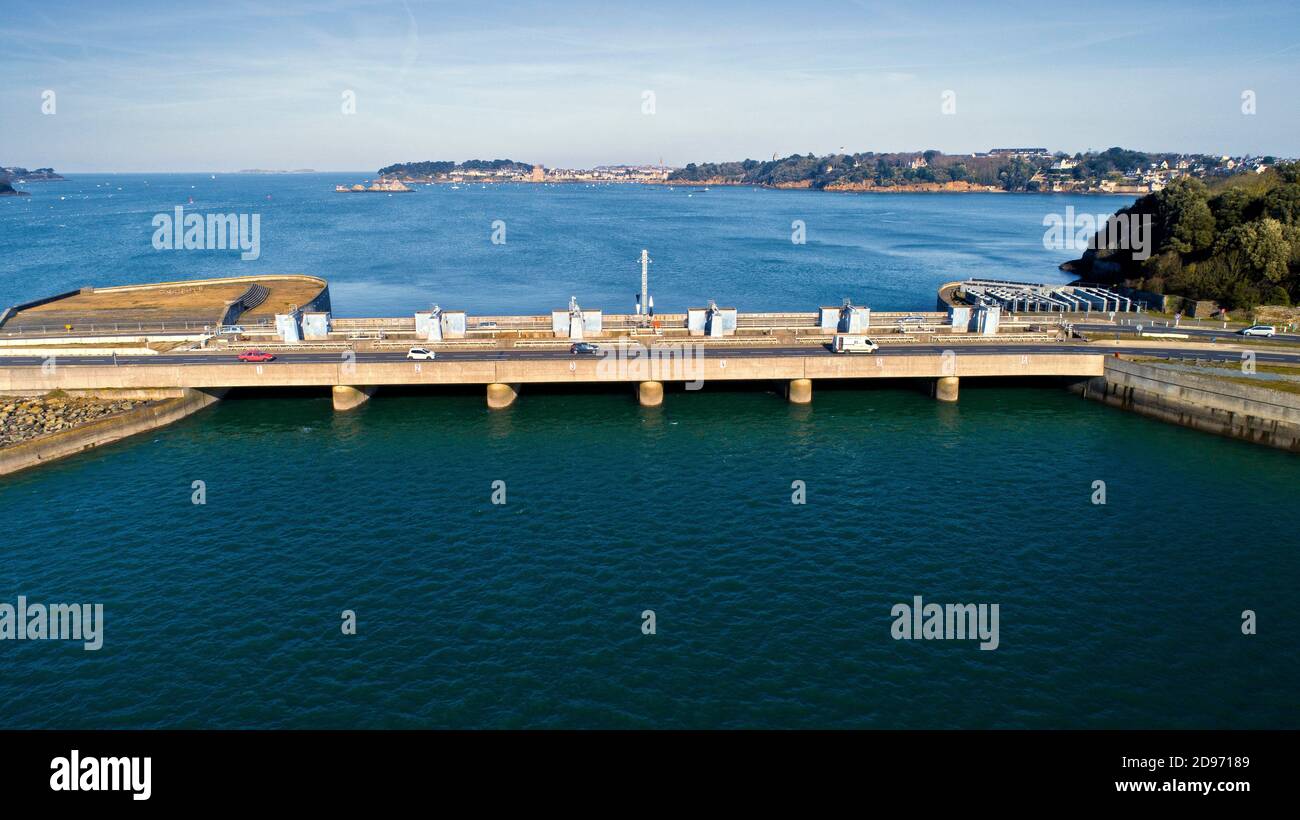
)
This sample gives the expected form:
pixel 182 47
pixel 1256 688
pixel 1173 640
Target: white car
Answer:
pixel 418 353
pixel 1267 331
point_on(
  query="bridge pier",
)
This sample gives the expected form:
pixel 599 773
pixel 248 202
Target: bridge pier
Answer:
pixel 347 397
pixel 799 391
pixel 945 388
pixel 650 394
pixel 501 396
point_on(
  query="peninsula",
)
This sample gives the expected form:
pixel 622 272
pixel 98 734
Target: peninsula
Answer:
pixel 17 174
pixel 1034 170
pixel 1226 242
pixel 508 170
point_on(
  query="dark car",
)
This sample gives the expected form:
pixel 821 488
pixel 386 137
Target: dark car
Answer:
pixel 584 347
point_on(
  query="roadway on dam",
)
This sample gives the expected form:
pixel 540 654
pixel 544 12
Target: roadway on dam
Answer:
pixel 1191 331
pixel 720 352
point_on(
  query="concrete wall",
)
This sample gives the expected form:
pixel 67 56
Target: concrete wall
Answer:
pixel 9 311
pixel 127 338
pixel 1201 402
pixel 73 352
pixel 713 366
pixel 103 431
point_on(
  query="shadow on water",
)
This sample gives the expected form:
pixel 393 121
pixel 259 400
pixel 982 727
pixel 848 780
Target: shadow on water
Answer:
pixel 628 390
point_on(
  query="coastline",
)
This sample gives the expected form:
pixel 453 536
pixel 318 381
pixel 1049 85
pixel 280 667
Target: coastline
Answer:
pixel 1253 413
pixel 855 188
pixel 162 408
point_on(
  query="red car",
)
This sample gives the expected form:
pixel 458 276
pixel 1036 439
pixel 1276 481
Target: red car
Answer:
pixel 255 356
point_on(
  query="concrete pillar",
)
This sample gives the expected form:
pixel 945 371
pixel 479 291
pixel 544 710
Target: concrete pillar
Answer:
pixel 650 394
pixel 347 397
pixel 501 396
pixel 800 391
pixel 945 388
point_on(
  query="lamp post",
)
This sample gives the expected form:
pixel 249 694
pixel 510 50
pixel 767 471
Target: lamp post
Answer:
pixel 645 305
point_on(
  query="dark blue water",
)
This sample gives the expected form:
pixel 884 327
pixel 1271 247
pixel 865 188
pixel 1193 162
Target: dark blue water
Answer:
pixel 527 614
pixel 394 254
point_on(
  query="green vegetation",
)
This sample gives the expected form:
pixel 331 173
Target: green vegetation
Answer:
pixel 819 172
pixel 1235 241
pixel 11 173
pixel 1008 171
pixel 1288 384
pixel 443 168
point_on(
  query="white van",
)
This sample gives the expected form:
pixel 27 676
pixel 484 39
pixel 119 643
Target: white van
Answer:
pixel 853 344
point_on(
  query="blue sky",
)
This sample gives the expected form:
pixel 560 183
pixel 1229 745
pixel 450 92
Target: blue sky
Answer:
pixel 189 86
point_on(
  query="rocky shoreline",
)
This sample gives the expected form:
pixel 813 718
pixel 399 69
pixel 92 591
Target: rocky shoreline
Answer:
pixel 25 419
pixel 847 187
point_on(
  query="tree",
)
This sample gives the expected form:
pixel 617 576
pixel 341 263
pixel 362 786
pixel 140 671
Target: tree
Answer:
pixel 1231 208
pixel 1185 223
pixel 1264 247
pixel 1283 203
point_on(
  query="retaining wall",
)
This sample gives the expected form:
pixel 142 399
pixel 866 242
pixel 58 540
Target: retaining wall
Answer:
pixel 104 431
pixel 1205 403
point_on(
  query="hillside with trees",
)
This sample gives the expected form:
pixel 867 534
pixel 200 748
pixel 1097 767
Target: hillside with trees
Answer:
pixel 15 174
pixel 437 169
pixel 882 170
pixel 1020 170
pixel 1235 241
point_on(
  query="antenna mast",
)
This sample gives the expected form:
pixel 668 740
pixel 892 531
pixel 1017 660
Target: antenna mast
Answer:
pixel 643 307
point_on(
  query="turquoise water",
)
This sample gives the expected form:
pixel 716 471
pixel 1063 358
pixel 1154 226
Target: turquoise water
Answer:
pixel 527 614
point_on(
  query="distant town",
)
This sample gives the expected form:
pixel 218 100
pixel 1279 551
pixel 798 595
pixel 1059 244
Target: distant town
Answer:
pixel 1034 170
pixel 1114 171
pixel 506 170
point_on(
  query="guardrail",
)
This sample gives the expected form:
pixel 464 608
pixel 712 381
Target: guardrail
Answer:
pixel 446 344
pixel 272 347
pixel 119 327
pixel 347 323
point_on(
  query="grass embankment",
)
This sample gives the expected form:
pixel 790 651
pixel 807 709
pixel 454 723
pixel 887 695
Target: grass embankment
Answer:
pixel 158 347
pixel 1281 385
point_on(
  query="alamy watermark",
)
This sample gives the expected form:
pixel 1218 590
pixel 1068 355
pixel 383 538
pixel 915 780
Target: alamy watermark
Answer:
pixel 1113 232
pixel 53 622
pixel 75 773
pixel 633 362
pixel 945 622
pixel 223 232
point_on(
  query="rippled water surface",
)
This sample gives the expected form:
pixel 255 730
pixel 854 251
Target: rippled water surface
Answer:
pixel 527 614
